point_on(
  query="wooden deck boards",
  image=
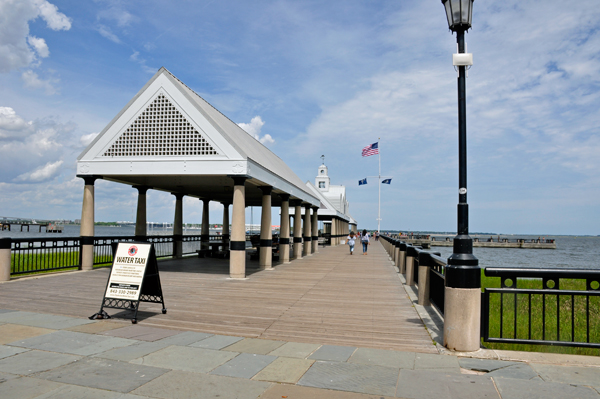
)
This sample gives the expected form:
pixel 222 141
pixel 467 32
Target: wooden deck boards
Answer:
pixel 328 298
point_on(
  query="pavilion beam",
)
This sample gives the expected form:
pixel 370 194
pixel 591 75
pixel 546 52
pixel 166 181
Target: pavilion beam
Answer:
pixel 265 261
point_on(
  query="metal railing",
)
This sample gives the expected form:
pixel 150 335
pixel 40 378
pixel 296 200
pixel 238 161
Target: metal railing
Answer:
pixel 30 255
pixel 548 315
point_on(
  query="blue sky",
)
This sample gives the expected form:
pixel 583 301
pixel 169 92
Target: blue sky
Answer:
pixel 312 78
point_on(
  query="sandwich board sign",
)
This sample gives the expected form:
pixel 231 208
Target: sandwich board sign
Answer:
pixel 133 279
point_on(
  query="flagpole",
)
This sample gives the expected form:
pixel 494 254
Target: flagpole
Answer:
pixel 379 208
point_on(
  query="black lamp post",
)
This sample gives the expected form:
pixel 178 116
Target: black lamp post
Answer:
pixel 463 268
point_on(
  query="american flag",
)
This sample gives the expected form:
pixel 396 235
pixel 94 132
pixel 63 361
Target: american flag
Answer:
pixel 371 149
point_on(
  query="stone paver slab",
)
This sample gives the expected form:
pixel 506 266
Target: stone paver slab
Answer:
pixel 6 351
pixel 31 362
pixel 73 342
pixel 278 391
pixel 188 385
pixel 97 327
pixel 295 349
pixel 26 388
pixel 245 365
pixel 104 374
pixel 77 392
pixel 216 342
pixel 284 369
pixel 254 345
pixel 430 361
pixel 382 357
pixel 187 358
pixel 14 332
pixel 569 375
pixel 141 333
pixel 7 376
pixel 351 377
pixel 484 365
pixel 184 338
pixel 6 311
pixel 42 320
pixel 519 370
pixel 511 388
pixel 333 353
pixel 431 384
pixel 131 352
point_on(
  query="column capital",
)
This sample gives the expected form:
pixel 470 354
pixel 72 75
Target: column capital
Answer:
pixel 284 197
pixel 295 202
pixel 307 205
pixel 89 180
pixel 226 203
pixel 266 190
pixel 239 180
pixel 205 200
pixel 314 208
pixel 178 195
pixel 142 189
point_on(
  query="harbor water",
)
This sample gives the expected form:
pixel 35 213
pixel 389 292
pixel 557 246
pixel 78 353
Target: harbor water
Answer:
pixel 577 252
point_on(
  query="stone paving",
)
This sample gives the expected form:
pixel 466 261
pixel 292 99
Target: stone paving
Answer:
pixel 48 356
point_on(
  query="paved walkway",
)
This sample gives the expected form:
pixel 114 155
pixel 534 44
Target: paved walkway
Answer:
pixel 45 355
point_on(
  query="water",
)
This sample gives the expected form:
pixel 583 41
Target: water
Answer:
pixel 571 251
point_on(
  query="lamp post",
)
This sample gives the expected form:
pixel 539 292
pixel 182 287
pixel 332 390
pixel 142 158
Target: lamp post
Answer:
pixel 463 276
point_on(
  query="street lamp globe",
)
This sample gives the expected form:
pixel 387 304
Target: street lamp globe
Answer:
pixel 459 14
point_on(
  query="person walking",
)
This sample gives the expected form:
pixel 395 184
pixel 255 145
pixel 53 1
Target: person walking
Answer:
pixel 351 241
pixel 365 241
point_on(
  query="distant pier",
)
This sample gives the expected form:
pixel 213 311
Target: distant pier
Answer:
pixel 428 241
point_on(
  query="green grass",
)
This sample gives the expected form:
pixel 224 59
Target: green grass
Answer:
pixel 28 264
pixel 538 325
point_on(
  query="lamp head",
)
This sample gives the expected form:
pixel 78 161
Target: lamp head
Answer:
pixel 459 14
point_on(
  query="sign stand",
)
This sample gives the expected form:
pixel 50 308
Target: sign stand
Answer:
pixel 133 279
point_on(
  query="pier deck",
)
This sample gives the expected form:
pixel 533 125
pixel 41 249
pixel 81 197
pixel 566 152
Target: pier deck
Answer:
pixel 328 298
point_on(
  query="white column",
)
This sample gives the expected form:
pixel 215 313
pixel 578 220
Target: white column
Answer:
pixel 178 227
pixel 315 230
pixel 307 235
pixel 297 229
pixel 265 261
pixel 204 232
pixel 86 230
pixel 237 259
pixel 140 218
pixel 284 232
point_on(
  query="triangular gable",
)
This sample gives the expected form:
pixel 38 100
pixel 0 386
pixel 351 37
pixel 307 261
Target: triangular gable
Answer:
pixel 160 122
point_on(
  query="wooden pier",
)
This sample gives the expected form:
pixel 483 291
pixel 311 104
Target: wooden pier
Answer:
pixel 330 297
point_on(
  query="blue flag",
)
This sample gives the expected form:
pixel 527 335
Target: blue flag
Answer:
pixel 386 181
pixel 363 181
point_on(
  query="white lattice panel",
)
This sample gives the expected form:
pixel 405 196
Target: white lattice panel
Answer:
pixel 160 130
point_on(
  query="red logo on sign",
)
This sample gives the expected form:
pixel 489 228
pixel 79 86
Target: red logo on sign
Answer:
pixel 132 250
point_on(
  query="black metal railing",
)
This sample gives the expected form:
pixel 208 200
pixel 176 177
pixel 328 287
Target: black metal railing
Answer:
pixel 547 315
pixel 437 278
pixel 31 255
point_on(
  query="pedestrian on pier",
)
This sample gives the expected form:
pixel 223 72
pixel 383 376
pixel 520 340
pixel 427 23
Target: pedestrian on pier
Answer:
pixel 351 241
pixel 365 241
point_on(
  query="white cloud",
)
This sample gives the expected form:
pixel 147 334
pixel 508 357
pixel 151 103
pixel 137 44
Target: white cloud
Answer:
pixel 17 48
pixel 31 80
pixel 87 139
pixel 13 126
pixel 39 45
pixel 253 129
pixel 107 33
pixel 42 173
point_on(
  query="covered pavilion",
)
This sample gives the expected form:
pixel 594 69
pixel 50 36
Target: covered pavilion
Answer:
pixel 168 138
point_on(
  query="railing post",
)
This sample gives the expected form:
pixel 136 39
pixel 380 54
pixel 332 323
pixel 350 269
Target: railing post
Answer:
pixel 5 252
pixel 402 254
pixel 425 264
pixel 411 254
pixel 397 253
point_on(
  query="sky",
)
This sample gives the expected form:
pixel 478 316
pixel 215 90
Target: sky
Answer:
pixel 311 78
